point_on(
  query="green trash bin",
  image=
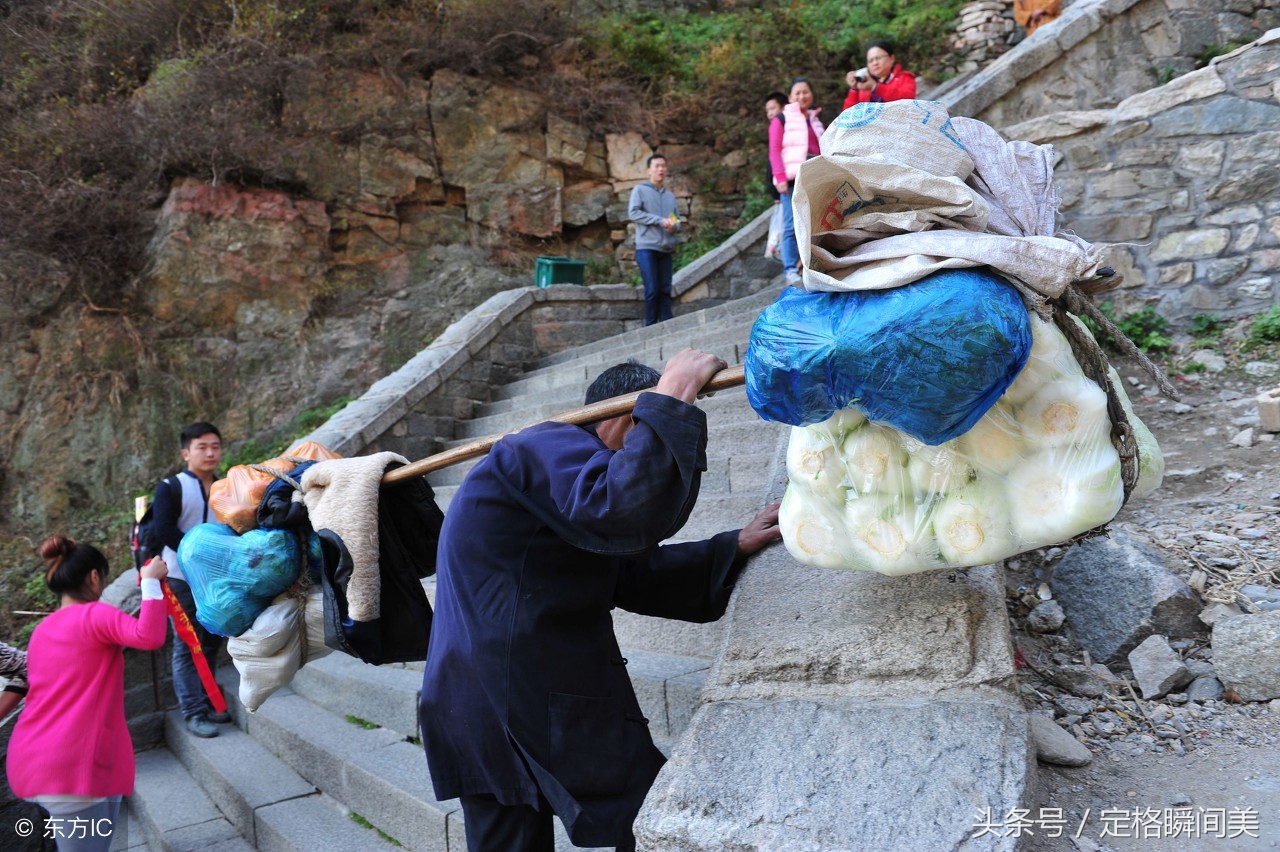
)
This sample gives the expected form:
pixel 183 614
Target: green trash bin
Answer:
pixel 551 269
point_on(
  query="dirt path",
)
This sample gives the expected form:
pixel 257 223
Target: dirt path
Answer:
pixel 1217 786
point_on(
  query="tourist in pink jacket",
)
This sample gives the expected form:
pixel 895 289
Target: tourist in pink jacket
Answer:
pixel 70 751
pixel 793 138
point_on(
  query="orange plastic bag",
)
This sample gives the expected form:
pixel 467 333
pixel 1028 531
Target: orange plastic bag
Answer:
pixel 234 500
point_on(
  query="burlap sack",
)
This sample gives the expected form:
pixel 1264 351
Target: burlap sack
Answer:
pixel 901 190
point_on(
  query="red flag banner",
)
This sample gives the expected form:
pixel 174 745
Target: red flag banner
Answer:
pixel 187 633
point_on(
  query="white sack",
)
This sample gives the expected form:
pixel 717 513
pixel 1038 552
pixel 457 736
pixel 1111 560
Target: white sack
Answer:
pixel 269 653
pixel 901 191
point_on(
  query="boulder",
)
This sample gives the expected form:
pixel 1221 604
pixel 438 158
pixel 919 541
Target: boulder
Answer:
pixel 1046 618
pixel 1083 680
pixel 1246 654
pixel 1207 688
pixel 1157 667
pixel 1056 746
pixel 1117 592
pixel 124 594
pixel 626 156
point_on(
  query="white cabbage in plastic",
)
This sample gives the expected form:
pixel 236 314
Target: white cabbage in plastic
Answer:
pixel 1038 469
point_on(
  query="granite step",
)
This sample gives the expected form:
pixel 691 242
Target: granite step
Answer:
pixel 532 408
pixel 747 306
pixel 173 811
pixel 657 343
pixel 236 773
pixel 377 773
pixel 373 772
pixel 269 804
pixel 347 687
pixel 729 342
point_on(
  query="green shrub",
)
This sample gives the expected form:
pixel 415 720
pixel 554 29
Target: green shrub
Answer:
pixel 1213 50
pixel 1264 330
pixel 1145 327
pixel 1206 325
pixel 724 59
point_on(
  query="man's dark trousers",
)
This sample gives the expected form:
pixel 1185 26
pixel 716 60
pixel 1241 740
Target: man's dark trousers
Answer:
pixel 494 827
pixel 656 272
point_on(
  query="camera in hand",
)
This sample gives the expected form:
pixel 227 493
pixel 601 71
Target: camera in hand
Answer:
pixel 860 76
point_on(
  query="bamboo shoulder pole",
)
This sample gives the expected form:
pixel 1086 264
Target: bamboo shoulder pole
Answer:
pixel 594 413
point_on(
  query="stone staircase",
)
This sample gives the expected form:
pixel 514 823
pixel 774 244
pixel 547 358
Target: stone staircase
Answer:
pixel 335 760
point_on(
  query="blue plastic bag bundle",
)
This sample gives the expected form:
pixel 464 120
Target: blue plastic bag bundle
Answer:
pixel 235 577
pixel 928 359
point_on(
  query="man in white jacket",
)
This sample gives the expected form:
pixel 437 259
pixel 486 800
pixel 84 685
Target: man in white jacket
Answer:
pixel 653 209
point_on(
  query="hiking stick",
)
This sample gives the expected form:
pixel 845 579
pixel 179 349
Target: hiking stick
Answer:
pixel 594 413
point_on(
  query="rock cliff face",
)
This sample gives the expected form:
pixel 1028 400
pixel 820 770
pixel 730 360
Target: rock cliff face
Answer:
pixel 418 199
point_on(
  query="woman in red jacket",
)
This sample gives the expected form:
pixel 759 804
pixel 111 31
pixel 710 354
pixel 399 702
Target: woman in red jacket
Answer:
pixel 70 751
pixel 882 80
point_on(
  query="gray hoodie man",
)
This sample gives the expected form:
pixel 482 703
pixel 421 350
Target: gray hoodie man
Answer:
pixel 653 209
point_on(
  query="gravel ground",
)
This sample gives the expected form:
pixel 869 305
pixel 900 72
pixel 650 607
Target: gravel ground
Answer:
pixel 1171 773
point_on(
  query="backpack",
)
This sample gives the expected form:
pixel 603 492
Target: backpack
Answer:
pixel 144 537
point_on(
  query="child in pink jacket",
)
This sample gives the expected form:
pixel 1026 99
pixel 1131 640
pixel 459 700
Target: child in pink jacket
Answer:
pixel 70 751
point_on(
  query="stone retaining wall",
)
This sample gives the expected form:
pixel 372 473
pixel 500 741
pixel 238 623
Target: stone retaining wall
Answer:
pixel 1102 51
pixel 1184 182
pixel 415 409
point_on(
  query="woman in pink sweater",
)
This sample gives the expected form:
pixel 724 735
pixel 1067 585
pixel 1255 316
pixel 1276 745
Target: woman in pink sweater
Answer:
pixel 793 138
pixel 70 751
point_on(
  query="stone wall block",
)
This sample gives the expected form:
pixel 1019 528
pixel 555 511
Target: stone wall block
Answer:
pixel 586 201
pixel 1235 216
pixel 486 132
pixel 1245 239
pixel 1022 64
pixel 1117 184
pixel 1257 290
pixel 1201 158
pixel 1118 228
pixel 1189 245
pixel 519 207
pixel 1176 274
pixel 1250 68
pixel 1072 29
pixel 1257 183
pixel 1217 117
pixel 1195 86
pixel 1266 261
pixel 391 168
pixel 1257 146
pixel 1219 272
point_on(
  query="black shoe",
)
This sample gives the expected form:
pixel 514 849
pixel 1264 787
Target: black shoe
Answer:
pixel 200 726
pixel 219 718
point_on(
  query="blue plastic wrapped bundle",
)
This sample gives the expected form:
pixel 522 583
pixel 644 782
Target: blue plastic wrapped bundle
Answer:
pixel 235 577
pixel 928 359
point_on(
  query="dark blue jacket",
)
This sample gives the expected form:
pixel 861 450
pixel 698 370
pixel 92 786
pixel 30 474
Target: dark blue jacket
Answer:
pixel 525 691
